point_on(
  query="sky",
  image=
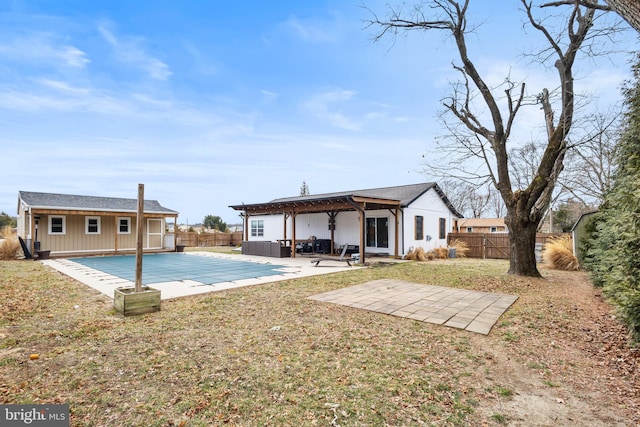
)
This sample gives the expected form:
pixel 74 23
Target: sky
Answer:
pixel 217 103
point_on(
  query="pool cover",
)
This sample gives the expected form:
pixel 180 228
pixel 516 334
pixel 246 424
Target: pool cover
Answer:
pixel 173 267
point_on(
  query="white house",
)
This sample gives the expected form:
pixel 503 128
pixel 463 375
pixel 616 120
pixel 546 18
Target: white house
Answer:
pixel 379 221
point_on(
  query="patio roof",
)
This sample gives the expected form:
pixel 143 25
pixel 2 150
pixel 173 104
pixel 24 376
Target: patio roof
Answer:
pixel 368 199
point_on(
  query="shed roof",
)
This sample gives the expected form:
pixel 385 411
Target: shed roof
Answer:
pixel 376 198
pixel 37 200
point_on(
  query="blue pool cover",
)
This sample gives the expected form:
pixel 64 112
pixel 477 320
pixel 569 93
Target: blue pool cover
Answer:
pixel 171 267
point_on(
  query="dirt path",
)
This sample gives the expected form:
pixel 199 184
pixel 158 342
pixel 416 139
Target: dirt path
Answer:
pixel 574 369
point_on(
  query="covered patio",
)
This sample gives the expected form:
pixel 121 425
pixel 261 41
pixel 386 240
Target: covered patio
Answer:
pixel 329 204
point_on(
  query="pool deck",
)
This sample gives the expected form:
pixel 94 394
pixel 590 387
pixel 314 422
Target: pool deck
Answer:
pixel 293 268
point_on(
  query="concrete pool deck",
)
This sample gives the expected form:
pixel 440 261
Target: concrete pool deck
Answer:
pixel 290 268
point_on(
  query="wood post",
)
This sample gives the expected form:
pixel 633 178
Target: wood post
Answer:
pixel 139 225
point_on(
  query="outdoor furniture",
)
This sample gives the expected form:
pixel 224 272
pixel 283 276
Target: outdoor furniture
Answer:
pixel 342 258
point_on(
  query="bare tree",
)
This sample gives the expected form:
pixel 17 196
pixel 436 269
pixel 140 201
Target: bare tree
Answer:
pixel 590 161
pixel 486 139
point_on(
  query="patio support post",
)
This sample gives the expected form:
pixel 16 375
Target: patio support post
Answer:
pixel 293 234
pixel 246 226
pixel 115 235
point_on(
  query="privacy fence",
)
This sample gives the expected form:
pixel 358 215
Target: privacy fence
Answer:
pixel 494 245
pixel 192 239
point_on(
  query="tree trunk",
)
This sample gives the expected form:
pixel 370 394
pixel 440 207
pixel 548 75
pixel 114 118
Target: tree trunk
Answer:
pixel 522 244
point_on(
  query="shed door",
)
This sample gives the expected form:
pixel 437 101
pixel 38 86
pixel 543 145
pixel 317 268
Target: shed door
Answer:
pixel 154 233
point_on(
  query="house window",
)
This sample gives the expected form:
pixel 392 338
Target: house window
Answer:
pixel 419 227
pixel 124 225
pixel 469 229
pixel 443 228
pixel 378 232
pixel 57 224
pixel 91 225
pixel 257 228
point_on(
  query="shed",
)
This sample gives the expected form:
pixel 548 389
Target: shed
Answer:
pixel 66 224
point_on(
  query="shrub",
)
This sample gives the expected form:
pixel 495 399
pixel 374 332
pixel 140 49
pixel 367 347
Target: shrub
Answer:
pixel 417 254
pixel 9 247
pixel 441 253
pixel 461 247
pixel 558 254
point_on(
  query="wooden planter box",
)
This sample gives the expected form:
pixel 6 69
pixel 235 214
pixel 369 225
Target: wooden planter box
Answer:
pixel 130 303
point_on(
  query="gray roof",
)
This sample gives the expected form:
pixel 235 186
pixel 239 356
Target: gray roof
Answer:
pixel 406 194
pixel 89 203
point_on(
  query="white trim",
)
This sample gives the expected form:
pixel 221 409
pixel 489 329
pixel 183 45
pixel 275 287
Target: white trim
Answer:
pixel 87 219
pixel 150 234
pixel 128 219
pixel 64 225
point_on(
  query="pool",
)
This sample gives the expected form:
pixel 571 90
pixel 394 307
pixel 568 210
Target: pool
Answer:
pixel 174 267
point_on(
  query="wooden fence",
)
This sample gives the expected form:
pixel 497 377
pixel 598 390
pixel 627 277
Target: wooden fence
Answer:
pixel 192 239
pixel 493 245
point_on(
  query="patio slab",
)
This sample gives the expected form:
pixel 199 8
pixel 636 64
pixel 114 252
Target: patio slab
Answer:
pixel 472 311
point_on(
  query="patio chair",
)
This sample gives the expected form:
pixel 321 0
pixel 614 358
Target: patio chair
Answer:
pixel 342 257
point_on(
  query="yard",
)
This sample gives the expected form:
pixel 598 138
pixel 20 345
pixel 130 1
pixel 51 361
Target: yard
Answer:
pixel 267 355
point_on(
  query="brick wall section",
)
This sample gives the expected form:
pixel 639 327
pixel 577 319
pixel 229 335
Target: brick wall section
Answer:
pixel 629 10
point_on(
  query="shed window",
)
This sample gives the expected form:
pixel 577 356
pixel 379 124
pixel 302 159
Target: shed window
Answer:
pixel 57 224
pixel 469 229
pixel 419 227
pixel 92 225
pixel 124 225
pixel 257 228
pixel 494 229
pixel 443 228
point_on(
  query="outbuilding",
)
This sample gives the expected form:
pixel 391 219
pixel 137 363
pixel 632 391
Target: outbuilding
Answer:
pixel 65 224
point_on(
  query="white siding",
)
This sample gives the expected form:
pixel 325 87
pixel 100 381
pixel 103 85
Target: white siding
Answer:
pixel 431 207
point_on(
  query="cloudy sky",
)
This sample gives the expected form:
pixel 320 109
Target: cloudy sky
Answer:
pixel 212 103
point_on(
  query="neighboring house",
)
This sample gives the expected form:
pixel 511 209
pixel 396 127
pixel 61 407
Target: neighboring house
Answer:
pixel 66 224
pixel 580 233
pixel 383 221
pixel 482 225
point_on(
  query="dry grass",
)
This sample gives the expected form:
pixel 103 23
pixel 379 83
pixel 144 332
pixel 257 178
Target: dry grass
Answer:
pixel 417 254
pixel 461 247
pixel 441 253
pixel 558 254
pixel 9 245
pixel 267 355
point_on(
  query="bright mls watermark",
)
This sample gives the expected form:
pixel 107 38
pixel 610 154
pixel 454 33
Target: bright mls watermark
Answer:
pixel 34 415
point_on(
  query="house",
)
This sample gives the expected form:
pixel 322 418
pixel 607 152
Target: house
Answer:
pixel 67 224
pixel 380 221
pixel 482 225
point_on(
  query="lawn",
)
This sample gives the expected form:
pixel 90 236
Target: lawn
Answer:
pixel 267 355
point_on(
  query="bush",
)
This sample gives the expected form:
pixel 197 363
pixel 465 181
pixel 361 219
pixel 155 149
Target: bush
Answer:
pixel 441 253
pixel 10 246
pixel 558 254
pixel 461 247
pixel 416 255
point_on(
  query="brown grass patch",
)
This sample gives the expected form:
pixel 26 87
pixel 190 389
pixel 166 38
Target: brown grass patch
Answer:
pixel 558 254
pixel 267 355
pixel 9 246
pixel 417 254
pixel 461 247
pixel 441 253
